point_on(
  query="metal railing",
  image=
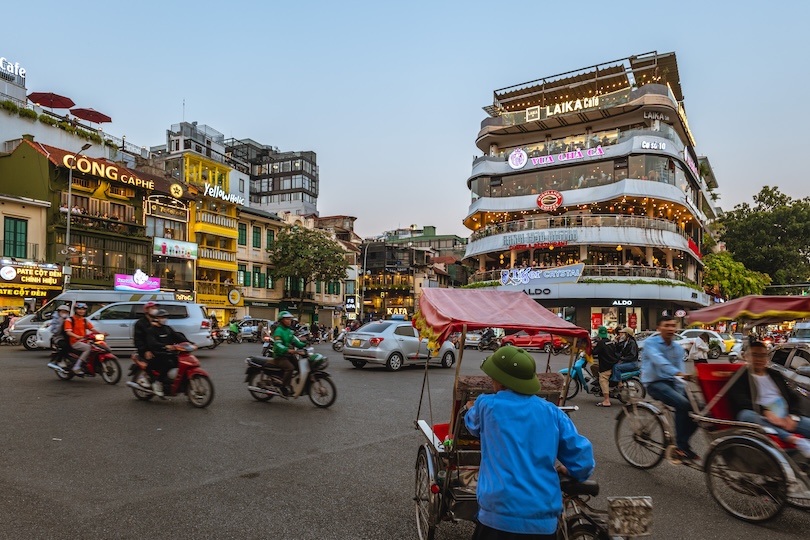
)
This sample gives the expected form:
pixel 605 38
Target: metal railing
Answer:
pixel 295 294
pixel 212 287
pixel 603 271
pixel 600 220
pixel 31 250
pixel 88 222
pixel 216 219
pixel 216 255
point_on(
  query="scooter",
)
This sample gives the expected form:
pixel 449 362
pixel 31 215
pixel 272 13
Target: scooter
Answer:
pixel 581 378
pixel 489 341
pixel 188 377
pixel 267 346
pixel 264 379
pixel 101 361
pixel 339 342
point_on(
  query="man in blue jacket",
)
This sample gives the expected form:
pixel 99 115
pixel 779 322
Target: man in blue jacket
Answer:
pixel 661 366
pixel 522 437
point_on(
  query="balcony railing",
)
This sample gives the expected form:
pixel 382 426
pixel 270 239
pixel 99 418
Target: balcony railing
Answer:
pixel 297 295
pixel 604 271
pixel 212 287
pixel 216 219
pixel 88 222
pixel 98 273
pixel 216 255
pixel 31 250
pixel 600 220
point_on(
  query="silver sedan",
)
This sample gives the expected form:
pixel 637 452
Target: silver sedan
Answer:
pixel 392 344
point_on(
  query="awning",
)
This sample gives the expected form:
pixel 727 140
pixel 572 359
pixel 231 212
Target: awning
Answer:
pixel 749 309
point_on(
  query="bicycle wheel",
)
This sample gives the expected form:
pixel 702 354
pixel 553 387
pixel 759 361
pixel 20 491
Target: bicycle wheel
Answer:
pixel 427 506
pixel 746 480
pixel 632 390
pixel 640 437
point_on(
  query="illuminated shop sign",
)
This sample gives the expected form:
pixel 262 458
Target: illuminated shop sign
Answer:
pixel 137 282
pixel 218 193
pixel 541 245
pixel 559 274
pixel 105 170
pixel 653 145
pixel 518 158
pixel 687 157
pixel 537 292
pixel 177 213
pixel 350 304
pixel 622 302
pixel 184 297
pixel 574 105
pixel 549 200
pixel 11 69
pixel 174 248
pixel 541 237
pixel 36 275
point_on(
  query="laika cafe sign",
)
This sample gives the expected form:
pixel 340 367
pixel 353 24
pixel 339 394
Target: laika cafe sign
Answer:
pixel 105 170
pixel 518 158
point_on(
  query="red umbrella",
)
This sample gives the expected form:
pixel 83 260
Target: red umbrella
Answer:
pixel 51 100
pixel 754 309
pixel 91 115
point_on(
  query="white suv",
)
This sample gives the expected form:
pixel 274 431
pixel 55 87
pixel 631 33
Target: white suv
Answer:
pixel 118 320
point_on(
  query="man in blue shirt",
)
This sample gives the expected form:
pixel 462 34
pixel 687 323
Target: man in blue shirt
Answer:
pixel 522 437
pixel 661 363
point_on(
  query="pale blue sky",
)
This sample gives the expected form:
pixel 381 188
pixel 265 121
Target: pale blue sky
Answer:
pixel 389 94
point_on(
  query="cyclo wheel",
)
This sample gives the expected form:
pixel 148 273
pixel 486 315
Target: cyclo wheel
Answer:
pixel 427 502
pixel 745 479
pixel 640 437
pixel 632 389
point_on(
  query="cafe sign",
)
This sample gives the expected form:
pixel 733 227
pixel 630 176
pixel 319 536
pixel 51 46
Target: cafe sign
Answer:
pixel 167 247
pixel 137 282
pixel 219 193
pixel 29 280
pixel 105 170
pixel 549 200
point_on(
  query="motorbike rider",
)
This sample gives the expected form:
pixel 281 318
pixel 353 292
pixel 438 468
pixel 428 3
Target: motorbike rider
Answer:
pixel 76 327
pixel 158 337
pixel 58 340
pixel 627 351
pixel 284 340
pixel 605 351
pixel 142 326
pixel 233 328
pixel 486 336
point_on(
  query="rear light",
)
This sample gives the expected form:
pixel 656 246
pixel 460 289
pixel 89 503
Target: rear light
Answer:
pixel 434 488
pixel 205 325
pixel 375 341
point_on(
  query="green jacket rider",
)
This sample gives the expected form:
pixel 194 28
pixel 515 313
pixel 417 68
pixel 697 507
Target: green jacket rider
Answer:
pixel 283 340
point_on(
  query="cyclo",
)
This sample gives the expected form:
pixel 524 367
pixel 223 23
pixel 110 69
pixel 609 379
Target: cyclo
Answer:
pixel 749 471
pixel 447 462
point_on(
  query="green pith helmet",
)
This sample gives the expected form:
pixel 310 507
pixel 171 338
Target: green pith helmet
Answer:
pixel 284 315
pixel 514 368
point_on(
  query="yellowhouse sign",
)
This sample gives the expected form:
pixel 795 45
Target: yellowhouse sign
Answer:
pixel 105 170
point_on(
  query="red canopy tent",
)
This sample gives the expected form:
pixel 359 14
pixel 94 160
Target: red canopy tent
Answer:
pixel 449 310
pixel 754 308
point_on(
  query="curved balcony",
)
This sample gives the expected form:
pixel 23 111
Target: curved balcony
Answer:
pixel 605 271
pixel 602 220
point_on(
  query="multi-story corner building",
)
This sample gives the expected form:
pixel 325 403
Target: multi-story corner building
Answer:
pixel 257 231
pixel 342 229
pixel 279 181
pixel 594 170
pixel 195 155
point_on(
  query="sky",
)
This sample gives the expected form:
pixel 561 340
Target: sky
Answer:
pixel 389 94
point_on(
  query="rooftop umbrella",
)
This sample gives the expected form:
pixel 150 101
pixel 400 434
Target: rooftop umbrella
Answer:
pixel 754 309
pixel 51 100
pixel 91 115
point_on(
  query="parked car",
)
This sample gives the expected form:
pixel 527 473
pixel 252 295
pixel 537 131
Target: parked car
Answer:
pixel 800 333
pixel 725 340
pixel 537 341
pixel 393 344
pixel 118 319
pixel 684 342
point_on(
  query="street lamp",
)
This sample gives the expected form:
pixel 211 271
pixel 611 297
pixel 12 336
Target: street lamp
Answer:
pixel 67 270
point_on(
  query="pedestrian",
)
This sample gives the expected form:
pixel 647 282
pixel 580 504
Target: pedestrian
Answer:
pixel 605 352
pixel 522 437
pixel 699 352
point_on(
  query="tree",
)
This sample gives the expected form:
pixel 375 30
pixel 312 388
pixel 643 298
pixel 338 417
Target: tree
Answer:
pixel 730 278
pixel 772 236
pixel 306 256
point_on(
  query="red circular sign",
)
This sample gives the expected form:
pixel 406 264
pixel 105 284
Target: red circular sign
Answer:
pixel 549 200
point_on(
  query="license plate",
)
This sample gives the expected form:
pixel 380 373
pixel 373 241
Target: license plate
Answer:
pixel 630 516
pixel 355 343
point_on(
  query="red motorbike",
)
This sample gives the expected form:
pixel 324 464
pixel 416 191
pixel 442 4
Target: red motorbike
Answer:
pixel 101 361
pixel 187 378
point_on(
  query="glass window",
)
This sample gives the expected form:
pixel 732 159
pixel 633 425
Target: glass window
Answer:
pixel 117 313
pixel 15 238
pixel 256 274
pixel 240 275
pixel 242 240
pixel 271 237
pixel 242 185
pixel 317 287
pixel 257 237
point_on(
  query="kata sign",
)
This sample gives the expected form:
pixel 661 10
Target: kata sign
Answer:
pixel 105 170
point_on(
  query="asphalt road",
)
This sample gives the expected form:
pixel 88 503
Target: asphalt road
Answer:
pixel 82 459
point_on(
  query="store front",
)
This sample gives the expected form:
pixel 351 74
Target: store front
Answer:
pixel 261 310
pixel 173 258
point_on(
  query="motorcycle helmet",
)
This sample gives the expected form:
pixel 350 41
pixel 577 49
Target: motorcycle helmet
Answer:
pixel 162 314
pixel 63 307
pixel 285 315
pixel 81 305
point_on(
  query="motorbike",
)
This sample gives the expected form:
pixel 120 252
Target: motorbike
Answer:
pixel 339 341
pixel 582 379
pixel 563 348
pixel 188 377
pixel 267 346
pixel 101 361
pixel 7 339
pixel 264 379
pixel 217 337
pixel 489 341
pixel 306 336
pixel 233 337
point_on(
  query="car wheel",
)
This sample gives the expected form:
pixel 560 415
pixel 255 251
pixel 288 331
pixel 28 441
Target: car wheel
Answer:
pixel 547 348
pixel 714 353
pixel 29 340
pixel 394 362
pixel 448 359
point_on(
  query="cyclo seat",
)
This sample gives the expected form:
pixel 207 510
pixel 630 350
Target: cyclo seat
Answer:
pixel 572 487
